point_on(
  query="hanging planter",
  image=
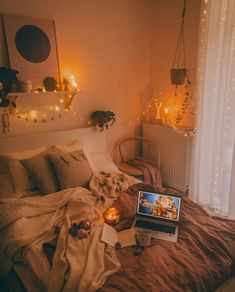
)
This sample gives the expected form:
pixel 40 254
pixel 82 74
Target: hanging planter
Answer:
pixel 178 72
pixel 178 76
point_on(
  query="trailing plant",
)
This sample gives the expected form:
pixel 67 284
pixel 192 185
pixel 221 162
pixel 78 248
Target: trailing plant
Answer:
pixel 103 119
pixel 186 102
pixel 179 72
pixel 7 79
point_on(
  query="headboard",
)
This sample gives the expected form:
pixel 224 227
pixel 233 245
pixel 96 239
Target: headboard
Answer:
pixel 91 138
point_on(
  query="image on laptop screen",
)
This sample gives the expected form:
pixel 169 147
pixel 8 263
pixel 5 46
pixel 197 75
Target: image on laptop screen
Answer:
pixel 159 205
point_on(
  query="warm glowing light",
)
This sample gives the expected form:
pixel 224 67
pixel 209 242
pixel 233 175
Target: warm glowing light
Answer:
pixel 73 82
pixel 111 216
pixel 166 110
pixel 33 114
pixel 57 108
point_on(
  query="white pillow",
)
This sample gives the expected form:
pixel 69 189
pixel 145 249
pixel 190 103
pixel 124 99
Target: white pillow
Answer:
pixel 103 161
pixel 26 154
pixel 77 145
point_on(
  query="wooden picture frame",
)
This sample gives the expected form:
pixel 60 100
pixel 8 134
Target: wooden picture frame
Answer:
pixel 32 48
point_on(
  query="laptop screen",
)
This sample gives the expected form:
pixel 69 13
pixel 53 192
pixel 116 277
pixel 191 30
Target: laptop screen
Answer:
pixel 159 205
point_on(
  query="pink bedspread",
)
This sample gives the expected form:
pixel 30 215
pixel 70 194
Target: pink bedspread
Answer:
pixel 201 260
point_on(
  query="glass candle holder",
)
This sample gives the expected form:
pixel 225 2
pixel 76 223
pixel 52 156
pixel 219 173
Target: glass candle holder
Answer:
pixel 112 216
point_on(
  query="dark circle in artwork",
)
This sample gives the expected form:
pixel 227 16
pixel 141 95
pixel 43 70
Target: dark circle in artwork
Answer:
pixel 32 43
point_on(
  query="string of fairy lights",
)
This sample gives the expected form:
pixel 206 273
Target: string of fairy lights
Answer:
pixel 58 111
pixel 219 56
pixel 51 114
pixel 55 112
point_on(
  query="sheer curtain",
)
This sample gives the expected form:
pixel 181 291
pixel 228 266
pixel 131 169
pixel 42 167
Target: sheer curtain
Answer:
pixel 213 168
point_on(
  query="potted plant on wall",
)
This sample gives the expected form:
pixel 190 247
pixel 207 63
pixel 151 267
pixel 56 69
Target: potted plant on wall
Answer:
pixel 7 80
pixel 103 119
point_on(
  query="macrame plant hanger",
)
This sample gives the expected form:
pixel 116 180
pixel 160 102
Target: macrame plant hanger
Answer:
pixel 178 71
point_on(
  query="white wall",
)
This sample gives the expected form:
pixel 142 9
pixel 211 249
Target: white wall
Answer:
pixel 166 20
pixel 117 49
pixel 106 45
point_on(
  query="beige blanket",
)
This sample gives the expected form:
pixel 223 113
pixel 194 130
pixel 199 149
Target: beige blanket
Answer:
pixel 78 265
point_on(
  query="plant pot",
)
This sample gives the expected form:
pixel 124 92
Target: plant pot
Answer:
pixel 178 76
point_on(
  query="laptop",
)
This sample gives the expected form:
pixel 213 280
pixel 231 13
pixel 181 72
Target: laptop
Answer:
pixel 159 214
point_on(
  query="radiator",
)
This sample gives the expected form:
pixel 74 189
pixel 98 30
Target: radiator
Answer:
pixel 175 154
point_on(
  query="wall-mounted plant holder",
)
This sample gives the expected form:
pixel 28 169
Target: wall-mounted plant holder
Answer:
pixel 178 76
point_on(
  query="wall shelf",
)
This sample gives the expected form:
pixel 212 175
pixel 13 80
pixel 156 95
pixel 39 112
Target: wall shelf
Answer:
pixel 67 95
pixel 44 92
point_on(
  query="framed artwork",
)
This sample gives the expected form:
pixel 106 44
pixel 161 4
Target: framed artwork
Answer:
pixel 32 49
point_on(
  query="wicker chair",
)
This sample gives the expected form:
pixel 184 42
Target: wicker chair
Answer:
pixel 132 147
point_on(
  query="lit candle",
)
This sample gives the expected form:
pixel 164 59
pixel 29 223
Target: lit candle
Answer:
pixel 166 115
pixel 111 216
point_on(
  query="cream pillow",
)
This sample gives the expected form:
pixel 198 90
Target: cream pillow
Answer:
pixel 42 173
pixel 77 145
pixel 72 169
pixel 20 177
pixel 7 181
pixel 6 186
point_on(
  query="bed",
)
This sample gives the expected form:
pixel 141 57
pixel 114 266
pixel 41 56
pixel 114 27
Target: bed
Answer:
pixel 37 249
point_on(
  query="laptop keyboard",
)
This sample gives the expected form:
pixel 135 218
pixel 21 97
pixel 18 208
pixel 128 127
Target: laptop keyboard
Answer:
pixel 156 227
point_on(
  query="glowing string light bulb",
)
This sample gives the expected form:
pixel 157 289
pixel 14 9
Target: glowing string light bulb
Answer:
pixel 73 82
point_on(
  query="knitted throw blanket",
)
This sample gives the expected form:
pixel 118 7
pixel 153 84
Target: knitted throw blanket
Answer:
pixel 152 174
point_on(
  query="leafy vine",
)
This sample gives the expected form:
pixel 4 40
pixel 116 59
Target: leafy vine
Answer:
pixel 186 102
